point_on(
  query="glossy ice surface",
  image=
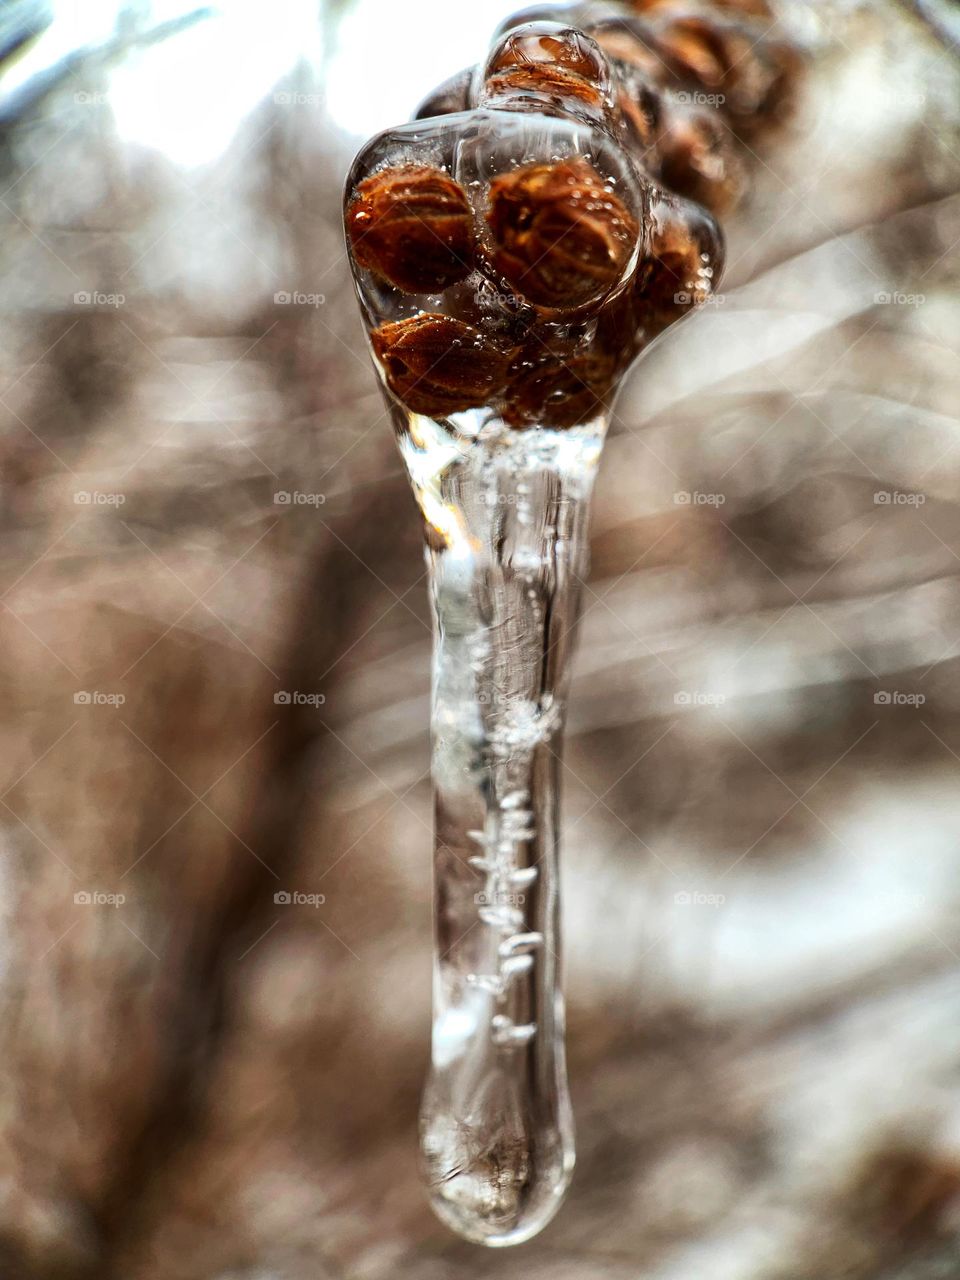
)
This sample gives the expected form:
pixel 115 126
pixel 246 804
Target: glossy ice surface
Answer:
pixel 511 508
pixel 511 257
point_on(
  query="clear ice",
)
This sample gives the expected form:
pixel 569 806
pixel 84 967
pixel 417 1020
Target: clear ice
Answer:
pixel 506 513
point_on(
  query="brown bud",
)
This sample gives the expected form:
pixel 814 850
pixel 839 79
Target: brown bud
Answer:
pixel 549 44
pixel 553 82
pixel 751 72
pixel 548 58
pixel 684 267
pixel 452 95
pixel 562 238
pixel 757 8
pixel 639 104
pixel 778 70
pixel 413 227
pixel 694 48
pixel 552 389
pixel 437 365
pixel 630 43
pixel 697 156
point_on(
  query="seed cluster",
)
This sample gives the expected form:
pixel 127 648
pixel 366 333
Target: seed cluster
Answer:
pixel 582 276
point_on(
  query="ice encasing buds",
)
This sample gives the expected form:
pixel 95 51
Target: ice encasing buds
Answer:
pixel 504 253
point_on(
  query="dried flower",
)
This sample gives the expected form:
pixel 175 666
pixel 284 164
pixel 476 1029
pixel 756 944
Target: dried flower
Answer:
pixel 562 238
pixel 413 227
pixel 437 365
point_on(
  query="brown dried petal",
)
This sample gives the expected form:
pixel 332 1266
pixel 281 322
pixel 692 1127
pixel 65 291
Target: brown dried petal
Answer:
pixel 437 365
pixel 563 239
pixel 413 227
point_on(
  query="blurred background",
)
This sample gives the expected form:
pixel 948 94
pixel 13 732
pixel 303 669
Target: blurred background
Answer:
pixel 214 804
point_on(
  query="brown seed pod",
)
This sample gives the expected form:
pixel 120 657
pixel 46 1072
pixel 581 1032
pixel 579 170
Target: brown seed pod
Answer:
pixel 641 115
pixel 549 44
pixel 694 48
pixel 750 72
pixel 756 8
pixel 562 238
pixel 437 365
pixel 452 95
pixel 697 156
pixel 548 58
pixel 628 41
pixel 553 389
pixel 684 266
pixel 552 82
pixel 778 71
pixel 413 227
